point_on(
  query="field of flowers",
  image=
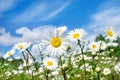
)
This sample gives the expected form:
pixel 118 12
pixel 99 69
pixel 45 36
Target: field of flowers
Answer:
pixel 64 55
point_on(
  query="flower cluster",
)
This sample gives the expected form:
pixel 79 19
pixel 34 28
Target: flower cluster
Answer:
pixel 63 55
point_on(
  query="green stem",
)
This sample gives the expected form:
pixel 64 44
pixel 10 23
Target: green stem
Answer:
pixel 31 55
pixel 61 61
pixel 70 61
pixel 46 75
pixel 98 76
pixel 81 48
pixel 63 71
pixel 64 75
pixel 12 57
pixel 93 63
pixel 24 56
pixel 25 60
pixel 41 55
pixel 32 58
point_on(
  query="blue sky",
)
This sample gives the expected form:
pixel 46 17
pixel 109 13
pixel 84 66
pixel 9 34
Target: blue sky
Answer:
pixel 20 20
pixel 34 13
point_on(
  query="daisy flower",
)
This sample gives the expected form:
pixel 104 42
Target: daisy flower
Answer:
pixel 110 32
pixel 76 34
pixel 102 45
pixel 22 46
pixel 106 71
pixel 94 46
pixel 50 63
pixel 9 53
pixel 55 44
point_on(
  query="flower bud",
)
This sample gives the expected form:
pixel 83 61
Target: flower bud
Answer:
pixel 97 69
pixel 93 52
pixel 111 50
pixel 65 66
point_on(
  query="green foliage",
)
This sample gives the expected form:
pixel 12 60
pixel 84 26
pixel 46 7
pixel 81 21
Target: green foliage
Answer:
pixel 100 38
pixel 117 49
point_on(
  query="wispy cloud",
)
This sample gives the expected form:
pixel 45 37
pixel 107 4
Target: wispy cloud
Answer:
pixel 6 5
pixel 41 11
pixel 55 12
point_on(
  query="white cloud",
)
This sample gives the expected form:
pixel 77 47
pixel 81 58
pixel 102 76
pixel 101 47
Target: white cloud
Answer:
pixel 6 39
pixel 108 17
pixel 103 19
pixel 33 35
pixel 41 11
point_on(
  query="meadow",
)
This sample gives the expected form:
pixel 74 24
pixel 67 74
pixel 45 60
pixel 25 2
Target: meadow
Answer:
pixel 64 55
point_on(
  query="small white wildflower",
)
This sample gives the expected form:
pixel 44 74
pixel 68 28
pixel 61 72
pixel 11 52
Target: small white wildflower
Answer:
pixel 106 71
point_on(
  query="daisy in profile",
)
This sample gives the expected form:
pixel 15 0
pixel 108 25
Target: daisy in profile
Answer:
pixel 22 46
pixel 94 46
pixel 102 45
pixel 9 53
pixel 106 71
pixel 110 33
pixel 55 44
pixel 50 63
pixel 61 29
pixel 76 34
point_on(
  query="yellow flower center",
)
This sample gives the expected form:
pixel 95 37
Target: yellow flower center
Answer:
pixel 75 36
pixel 110 33
pixel 20 46
pixel 49 63
pixel 94 46
pixel 56 42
